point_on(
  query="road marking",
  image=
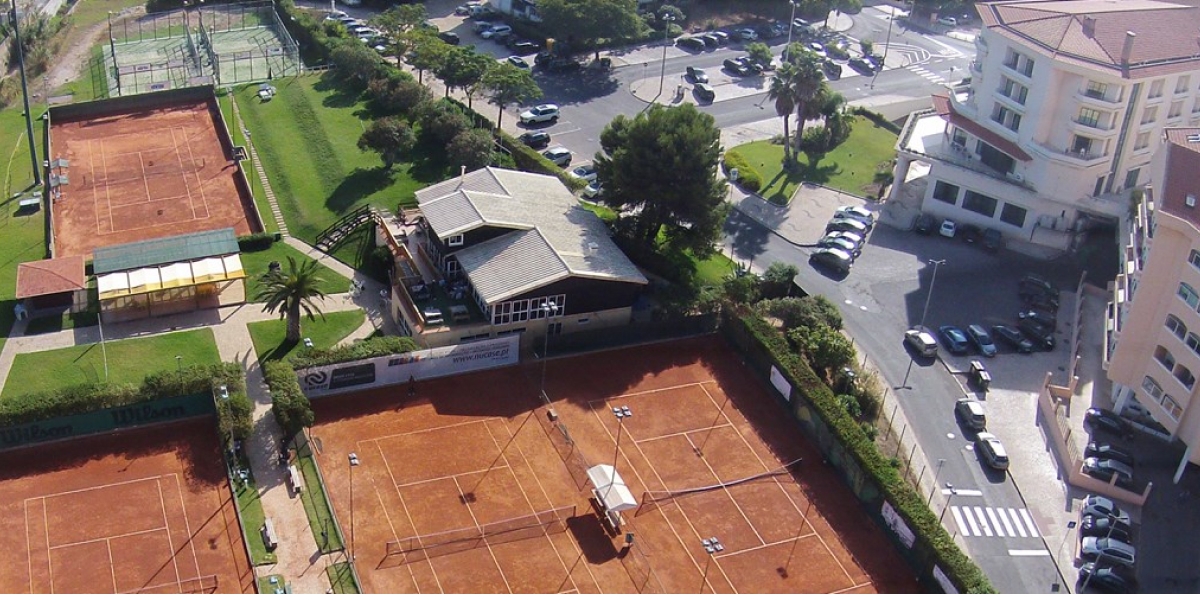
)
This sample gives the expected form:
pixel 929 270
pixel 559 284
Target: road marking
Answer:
pixel 1033 530
pixel 1016 517
pixel 951 51
pixel 970 521
pixel 1007 525
pixel 991 513
pixel 958 520
pixel 983 524
pixel 962 492
pixel 994 522
pixel 1029 553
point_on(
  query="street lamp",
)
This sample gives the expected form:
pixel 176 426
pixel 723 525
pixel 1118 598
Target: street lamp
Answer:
pixel 924 313
pixel 223 394
pixel 941 461
pixel 620 412
pixel 353 463
pixel 712 546
pixel 549 307
pixel 887 44
pixel 791 24
pixel 953 493
pixel 669 18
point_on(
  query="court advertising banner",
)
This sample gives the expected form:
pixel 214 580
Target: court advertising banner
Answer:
pixel 420 364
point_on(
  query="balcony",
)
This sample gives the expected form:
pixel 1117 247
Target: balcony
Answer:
pixel 1071 156
pixel 1023 72
pixel 1107 100
pixel 1090 127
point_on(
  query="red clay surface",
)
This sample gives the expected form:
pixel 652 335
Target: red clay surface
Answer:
pixel 798 533
pixel 144 175
pixel 145 510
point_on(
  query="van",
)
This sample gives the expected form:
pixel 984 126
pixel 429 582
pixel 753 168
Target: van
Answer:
pixel 971 413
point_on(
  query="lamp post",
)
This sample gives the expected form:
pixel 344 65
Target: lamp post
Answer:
pixel 222 393
pixel 620 412
pixel 924 313
pixel 941 461
pixel 37 175
pixel 712 546
pixel 953 493
pixel 549 307
pixel 668 18
pixel 791 24
pixel 353 463
pixel 887 44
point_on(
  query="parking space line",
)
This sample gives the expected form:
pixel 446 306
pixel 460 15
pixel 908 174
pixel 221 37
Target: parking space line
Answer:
pixel 1033 530
pixel 1007 526
pixel 1016 518
pixel 983 524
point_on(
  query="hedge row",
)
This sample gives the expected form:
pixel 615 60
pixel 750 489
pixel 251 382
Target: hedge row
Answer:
pixel 89 397
pixel 289 404
pixel 748 177
pixel 877 119
pixel 964 573
pixel 256 242
pixel 368 348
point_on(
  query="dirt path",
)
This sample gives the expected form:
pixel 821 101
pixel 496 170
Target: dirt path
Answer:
pixel 68 65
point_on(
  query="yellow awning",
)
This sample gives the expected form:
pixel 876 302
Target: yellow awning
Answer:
pixel 208 269
pixel 233 267
pixel 176 275
pixel 113 285
pixel 144 280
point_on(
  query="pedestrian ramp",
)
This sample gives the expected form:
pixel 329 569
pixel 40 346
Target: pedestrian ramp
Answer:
pixel 986 521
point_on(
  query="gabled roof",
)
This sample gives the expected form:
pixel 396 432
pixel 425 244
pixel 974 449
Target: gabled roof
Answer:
pixel 944 108
pixel 553 236
pixel 51 276
pixel 1093 32
pixel 161 251
pixel 1183 163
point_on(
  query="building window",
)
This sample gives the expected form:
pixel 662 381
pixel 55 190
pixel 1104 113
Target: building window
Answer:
pixel 1194 258
pixel 519 311
pixel 1082 145
pixel 1188 294
pixel 1006 117
pixel 1143 140
pixel 1184 375
pixel 1176 109
pixel 1149 115
pixel 1131 177
pixel 1156 89
pixel 1193 342
pixel 1151 386
pixel 1013 215
pixel 1014 91
pixel 978 203
pixel 1096 90
pixel 1172 407
pixel 1164 358
pixel 945 192
pixel 454 240
pixel 1089 117
pixel 1175 325
pixel 1181 86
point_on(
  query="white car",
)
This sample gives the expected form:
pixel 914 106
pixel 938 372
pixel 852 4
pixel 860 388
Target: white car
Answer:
pixel 592 190
pixel 992 451
pixel 948 21
pixel 747 34
pixel 948 228
pixel 584 172
pixel 857 213
pixel 558 155
pixel 922 342
pixel 496 30
pixel 542 113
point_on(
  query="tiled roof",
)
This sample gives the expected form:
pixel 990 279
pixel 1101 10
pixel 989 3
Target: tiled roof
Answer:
pixel 161 251
pixel 51 276
pixel 943 107
pixel 1183 162
pixel 554 237
pixel 1094 31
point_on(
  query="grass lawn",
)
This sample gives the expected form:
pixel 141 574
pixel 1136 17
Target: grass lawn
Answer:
pixel 341 579
pixel 714 269
pixel 225 101
pixel 129 361
pixel 316 505
pixel 268 335
pixel 850 167
pixel 272 584
pixel 85 14
pixel 22 236
pixel 253 518
pixel 256 264
pixel 306 137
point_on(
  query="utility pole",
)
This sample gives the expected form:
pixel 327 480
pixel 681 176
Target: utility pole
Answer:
pixel 37 174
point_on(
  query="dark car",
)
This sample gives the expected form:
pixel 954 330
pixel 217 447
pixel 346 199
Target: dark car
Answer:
pixel 1097 526
pixel 1040 302
pixel 1105 420
pixel 1037 285
pixel 1102 451
pixel 875 60
pixel 1044 319
pixel 449 37
pixel 832 69
pixel 710 40
pixel 697 75
pixel 524 47
pixel 924 224
pixel 1012 338
pixel 535 139
pixel 735 67
pixel 992 239
pixel 956 340
pixel 1109 579
pixel 561 65
pixel 750 64
pixel 1105 469
pixel 862 66
pixel 690 43
pixel 982 340
pixel 1040 336
pixel 969 233
pixel 704 92
pixel 834 258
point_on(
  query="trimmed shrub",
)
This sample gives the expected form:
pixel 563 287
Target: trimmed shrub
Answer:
pixel 288 403
pixel 256 242
pixel 368 348
pixel 748 177
pixel 877 119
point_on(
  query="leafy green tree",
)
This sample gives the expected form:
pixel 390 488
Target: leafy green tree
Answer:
pixel 760 53
pixel 400 19
pixel 398 93
pixel 427 53
pixel 505 84
pixel 290 291
pixel 743 289
pixel 661 168
pixel 472 148
pixel 356 64
pixel 777 280
pixel 441 121
pixel 867 47
pixel 586 22
pixel 825 347
pixel 677 16
pixel 809 311
pixel 463 68
pixel 392 138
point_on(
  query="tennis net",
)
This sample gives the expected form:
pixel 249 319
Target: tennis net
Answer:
pixel 420 547
pixel 653 498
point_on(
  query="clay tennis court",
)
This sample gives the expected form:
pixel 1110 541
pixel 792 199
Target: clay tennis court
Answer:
pixel 478 453
pixel 142 175
pixel 146 511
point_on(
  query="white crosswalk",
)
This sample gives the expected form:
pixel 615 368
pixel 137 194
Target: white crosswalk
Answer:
pixel 986 521
pixel 926 73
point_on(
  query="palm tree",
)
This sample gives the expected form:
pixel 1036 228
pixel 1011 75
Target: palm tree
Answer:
pixel 781 92
pixel 805 84
pixel 290 291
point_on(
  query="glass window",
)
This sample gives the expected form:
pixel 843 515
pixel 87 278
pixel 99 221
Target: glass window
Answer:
pixel 1143 140
pixel 1156 89
pixel 1193 342
pixel 978 203
pixel 1164 358
pixel 1175 110
pixel 455 240
pixel 1175 325
pixel 1131 177
pixel 1183 84
pixel 1013 215
pixel 1188 294
pixel 1089 117
pixel 1194 258
pixel 945 192
pixel 1151 386
pixel 1184 375
pixel 1095 89
pixel 1149 115
pixel 1172 407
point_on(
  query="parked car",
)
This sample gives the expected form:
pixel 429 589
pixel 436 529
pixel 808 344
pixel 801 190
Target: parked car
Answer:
pixel 1110 551
pixel 1041 318
pixel 592 190
pixel 449 37
pixel 1036 285
pixel 857 238
pixel 1117 453
pixel 558 155
pixel 496 30
pixel 1041 337
pixel 1040 302
pixel 1106 420
pixel 481 26
pixel 735 67
pixel 923 224
pixel 922 342
pixel 542 113
pixel 875 60
pixel 697 75
pixel 992 239
pixel 722 37
pixel 992 451
pixel 833 257
pixel 983 342
pixel 948 228
pixel 518 62
pixel 751 65
pixel 851 225
pixel 584 172
pixel 855 212
pixel 690 43
pixel 1097 526
pixel 747 34
pixel 535 139
pixel 948 21
pixel 818 49
pixel 1099 506
pixel 832 69
pixel 834 240
pixel 1105 469
pixel 956 340
pixel 1110 579
pixel 970 411
pixel 523 47
pixel 704 92
pixel 710 40
pixel 862 66
pixel 1012 338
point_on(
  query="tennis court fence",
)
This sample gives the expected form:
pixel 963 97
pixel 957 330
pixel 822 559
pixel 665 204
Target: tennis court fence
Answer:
pixel 651 499
pixel 421 547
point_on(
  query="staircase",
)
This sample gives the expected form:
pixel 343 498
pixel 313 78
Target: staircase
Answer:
pixel 262 175
pixel 334 234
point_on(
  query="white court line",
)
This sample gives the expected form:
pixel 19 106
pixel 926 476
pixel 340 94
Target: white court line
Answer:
pixel 958 520
pixel 970 521
pixel 1029 553
pixel 1033 530
pixel 983 524
pixel 1007 525
pixel 1016 518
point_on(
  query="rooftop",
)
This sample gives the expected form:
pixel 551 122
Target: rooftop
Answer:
pixel 162 251
pixel 51 276
pixel 1093 33
pixel 1183 162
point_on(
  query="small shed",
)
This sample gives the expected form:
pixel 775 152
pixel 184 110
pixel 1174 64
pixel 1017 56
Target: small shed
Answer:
pixel 612 493
pixel 56 283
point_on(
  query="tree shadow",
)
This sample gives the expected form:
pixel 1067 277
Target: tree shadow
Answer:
pixel 341 95
pixel 358 185
pixel 279 352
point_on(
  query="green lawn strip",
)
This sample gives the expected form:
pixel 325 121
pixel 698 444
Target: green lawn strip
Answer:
pixel 256 188
pixel 316 505
pixel 341 579
pixel 714 269
pixel 250 505
pixel 850 167
pixel 268 335
pixel 255 264
pixel 266 587
pixel 129 361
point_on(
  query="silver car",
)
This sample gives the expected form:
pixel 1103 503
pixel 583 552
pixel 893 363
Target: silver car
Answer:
pixel 1107 550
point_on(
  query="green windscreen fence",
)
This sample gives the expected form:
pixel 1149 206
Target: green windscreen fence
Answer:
pixel 111 419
